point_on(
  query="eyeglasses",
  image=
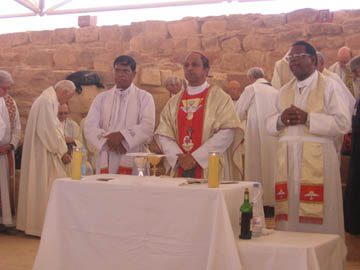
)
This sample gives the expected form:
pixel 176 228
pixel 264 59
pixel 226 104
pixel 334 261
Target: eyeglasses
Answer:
pixel 296 56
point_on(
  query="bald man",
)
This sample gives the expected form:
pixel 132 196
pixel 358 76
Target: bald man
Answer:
pixel 234 90
pixel 340 67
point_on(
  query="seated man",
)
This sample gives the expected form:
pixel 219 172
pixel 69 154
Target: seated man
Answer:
pixel 199 120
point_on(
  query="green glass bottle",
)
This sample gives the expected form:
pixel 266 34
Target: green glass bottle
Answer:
pixel 246 216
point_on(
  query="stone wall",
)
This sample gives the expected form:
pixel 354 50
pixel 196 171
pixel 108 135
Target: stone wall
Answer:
pixel 233 43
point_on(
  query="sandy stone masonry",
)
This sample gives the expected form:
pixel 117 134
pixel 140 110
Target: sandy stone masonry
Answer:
pixel 233 43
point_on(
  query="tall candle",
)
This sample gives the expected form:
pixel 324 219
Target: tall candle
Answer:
pixel 76 164
pixel 213 181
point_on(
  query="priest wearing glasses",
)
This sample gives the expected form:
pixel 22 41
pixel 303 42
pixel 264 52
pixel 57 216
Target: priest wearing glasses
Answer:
pixel 309 114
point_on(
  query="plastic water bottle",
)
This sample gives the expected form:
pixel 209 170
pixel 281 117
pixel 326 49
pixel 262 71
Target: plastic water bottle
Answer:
pixel 83 161
pixel 258 220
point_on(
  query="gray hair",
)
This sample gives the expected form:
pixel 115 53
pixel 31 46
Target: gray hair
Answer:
pixel 256 73
pixel 320 56
pixel 173 80
pixel 6 77
pixel 66 85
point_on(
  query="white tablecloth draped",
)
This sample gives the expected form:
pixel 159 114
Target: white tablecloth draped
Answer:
pixel 293 251
pixel 132 225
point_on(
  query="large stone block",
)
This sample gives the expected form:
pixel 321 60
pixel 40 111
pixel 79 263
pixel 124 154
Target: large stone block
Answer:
pixel 14 39
pixel 87 34
pixel 231 45
pixel 183 28
pixel 232 61
pixel 64 35
pixel 353 42
pixel 259 42
pixel 193 44
pixel 328 29
pixel 210 43
pixel 352 26
pixel 66 57
pixel 159 28
pixel 34 80
pixel 180 44
pixel 41 37
pixel 244 23
pixel 87 20
pixel 291 35
pixel 110 33
pixel 150 75
pixel 306 15
pixel 40 58
pixel 274 20
pixel 213 27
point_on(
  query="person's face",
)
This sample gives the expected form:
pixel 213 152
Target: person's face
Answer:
pixel 343 59
pixel 234 90
pixel 123 76
pixel 4 88
pixel 302 65
pixel 357 73
pixel 194 70
pixel 63 112
pixel 63 96
pixel 174 89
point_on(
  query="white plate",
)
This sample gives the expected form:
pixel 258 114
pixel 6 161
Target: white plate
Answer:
pixel 155 155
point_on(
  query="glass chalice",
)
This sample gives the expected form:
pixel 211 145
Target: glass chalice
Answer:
pixel 140 162
pixel 154 161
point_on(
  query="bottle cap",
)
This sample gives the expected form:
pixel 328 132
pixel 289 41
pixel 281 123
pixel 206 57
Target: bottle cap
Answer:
pixel 256 185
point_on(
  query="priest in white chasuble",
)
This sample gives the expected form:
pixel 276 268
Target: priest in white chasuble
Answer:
pixel 199 120
pixel 44 156
pixel 8 144
pixel 255 103
pixel 309 114
pixel 120 120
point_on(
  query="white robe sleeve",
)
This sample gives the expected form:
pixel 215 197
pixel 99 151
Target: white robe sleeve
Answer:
pixel 276 81
pixel 2 121
pixel 142 132
pixel 336 119
pixel 271 121
pixel 244 102
pixel 92 125
pixel 16 133
pixel 219 142
pixel 170 148
pixel 47 129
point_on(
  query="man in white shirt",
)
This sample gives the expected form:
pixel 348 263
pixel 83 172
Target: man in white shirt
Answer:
pixel 8 144
pixel 120 120
pixel 199 120
pixel 43 157
pixel 342 70
pixel 309 114
pixel 255 103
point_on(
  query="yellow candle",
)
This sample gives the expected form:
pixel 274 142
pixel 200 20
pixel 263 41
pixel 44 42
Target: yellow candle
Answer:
pixel 76 164
pixel 213 170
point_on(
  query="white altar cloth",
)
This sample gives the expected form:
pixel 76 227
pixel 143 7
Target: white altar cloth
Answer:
pixel 293 251
pixel 114 225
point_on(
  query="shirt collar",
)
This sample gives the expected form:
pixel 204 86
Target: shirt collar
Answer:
pixel 194 90
pixel 307 82
pixel 123 92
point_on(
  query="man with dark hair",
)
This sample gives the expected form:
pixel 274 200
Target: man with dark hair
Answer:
pixel 199 120
pixel 120 120
pixel 309 114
